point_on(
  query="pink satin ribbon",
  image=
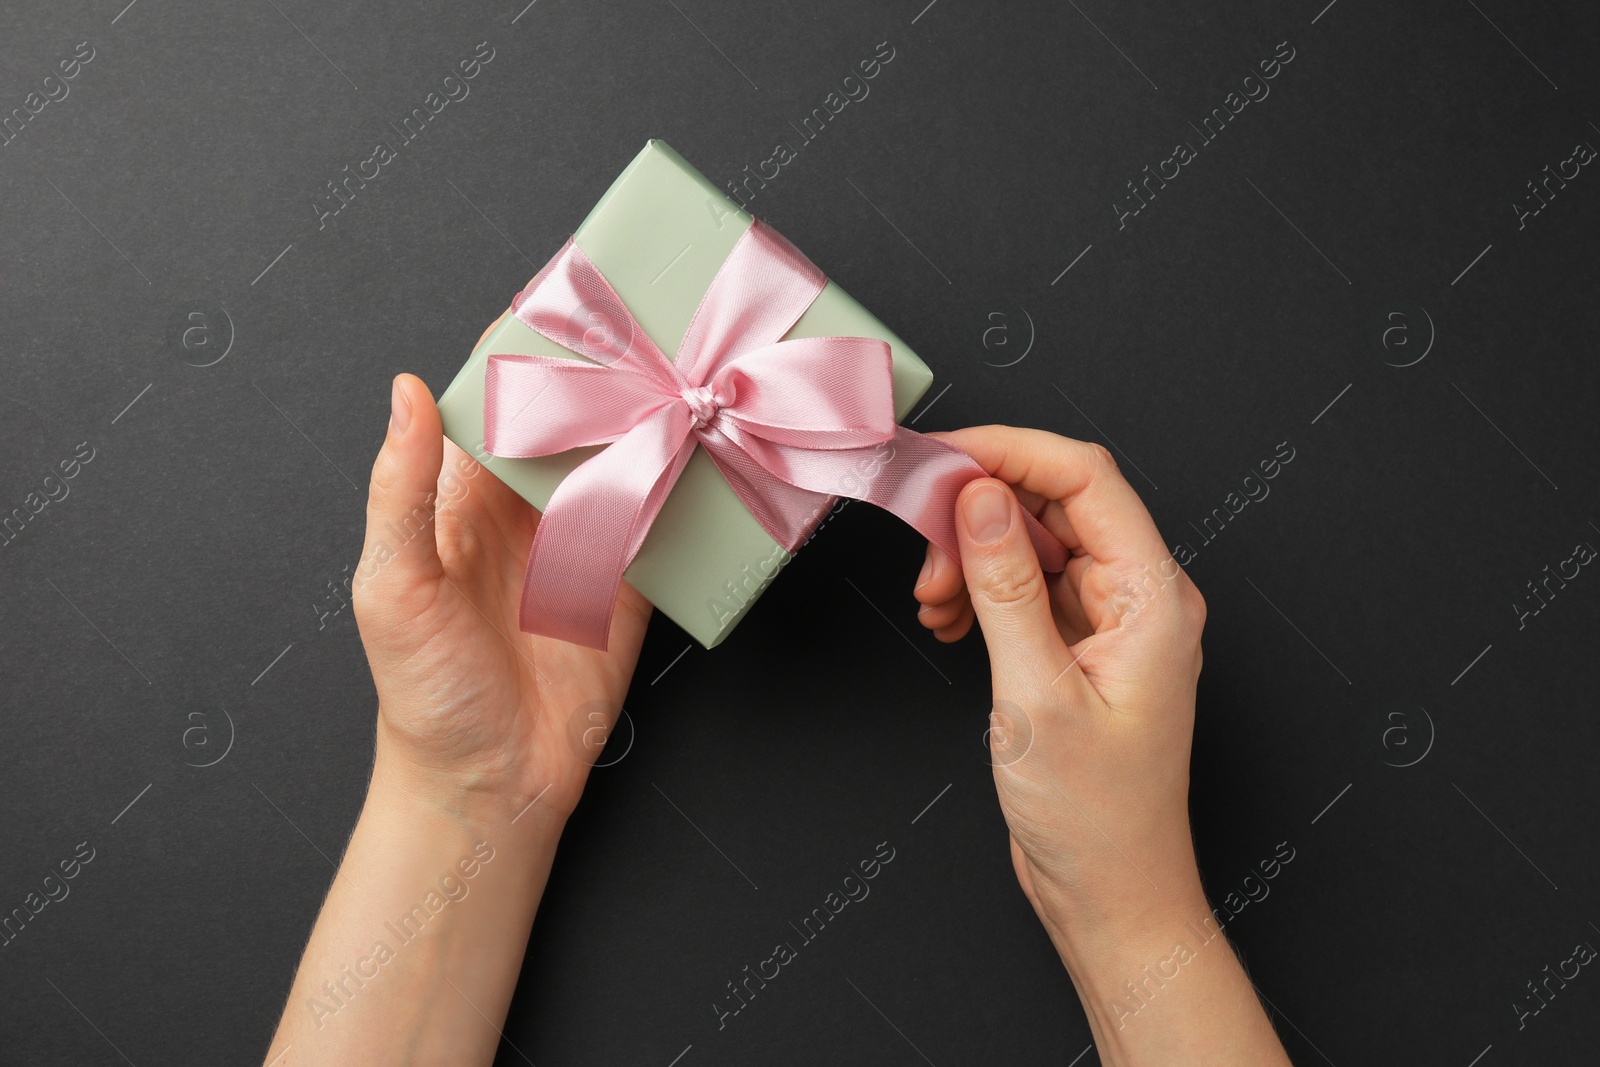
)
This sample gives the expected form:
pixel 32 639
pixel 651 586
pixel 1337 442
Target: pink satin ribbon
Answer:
pixel 790 424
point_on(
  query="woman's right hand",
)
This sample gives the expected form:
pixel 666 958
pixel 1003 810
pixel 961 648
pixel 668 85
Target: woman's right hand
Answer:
pixel 1094 674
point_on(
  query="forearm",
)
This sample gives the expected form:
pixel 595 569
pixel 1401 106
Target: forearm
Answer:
pixel 416 952
pixel 1166 988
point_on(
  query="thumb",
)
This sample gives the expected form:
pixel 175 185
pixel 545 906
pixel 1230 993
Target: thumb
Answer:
pixel 1007 587
pixel 401 556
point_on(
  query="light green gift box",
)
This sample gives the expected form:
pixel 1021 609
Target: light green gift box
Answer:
pixel 659 235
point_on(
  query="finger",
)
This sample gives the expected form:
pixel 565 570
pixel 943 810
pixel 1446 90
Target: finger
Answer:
pixel 1031 502
pixel 1072 615
pixel 940 579
pixel 401 552
pixel 463 479
pixel 938 616
pixel 1106 516
pixel 1071 587
pixel 1046 509
pixel 463 473
pixel 958 629
pixel 1008 589
pixel 478 517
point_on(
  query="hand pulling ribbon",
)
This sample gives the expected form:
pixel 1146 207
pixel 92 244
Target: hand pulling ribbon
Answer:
pixel 788 423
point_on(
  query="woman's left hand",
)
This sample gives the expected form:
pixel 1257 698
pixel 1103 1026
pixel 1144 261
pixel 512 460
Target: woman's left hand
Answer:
pixel 466 700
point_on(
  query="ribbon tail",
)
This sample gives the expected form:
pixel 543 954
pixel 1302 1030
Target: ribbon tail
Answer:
pixel 914 476
pixel 593 526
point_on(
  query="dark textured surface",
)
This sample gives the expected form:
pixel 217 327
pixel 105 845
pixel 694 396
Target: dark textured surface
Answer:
pixel 1362 615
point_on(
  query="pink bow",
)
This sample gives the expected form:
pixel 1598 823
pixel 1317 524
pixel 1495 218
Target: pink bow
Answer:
pixel 790 424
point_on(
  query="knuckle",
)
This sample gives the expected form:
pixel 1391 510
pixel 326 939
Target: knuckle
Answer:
pixel 366 598
pixel 1012 585
pixel 373 588
pixel 362 595
pixel 1192 608
pixel 382 484
pixel 385 597
pixel 1103 459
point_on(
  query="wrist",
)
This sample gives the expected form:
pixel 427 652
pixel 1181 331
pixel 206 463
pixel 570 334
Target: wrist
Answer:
pixel 469 800
pixel 1091 932
pixel 1107 918
pixel 1125 955
pixel 1166 987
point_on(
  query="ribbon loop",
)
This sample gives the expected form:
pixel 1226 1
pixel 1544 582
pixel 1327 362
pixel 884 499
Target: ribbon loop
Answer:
pixel 815 392
pixel 790 424
pixel 538 405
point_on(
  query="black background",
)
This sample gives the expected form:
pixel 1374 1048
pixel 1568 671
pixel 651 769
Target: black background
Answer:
pixel 1360 616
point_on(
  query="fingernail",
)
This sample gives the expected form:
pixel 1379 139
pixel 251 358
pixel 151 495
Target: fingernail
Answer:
pixel 399 409
pixel 988 513
pixel 927 571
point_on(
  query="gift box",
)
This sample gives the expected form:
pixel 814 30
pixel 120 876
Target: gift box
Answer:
pixel 659 236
